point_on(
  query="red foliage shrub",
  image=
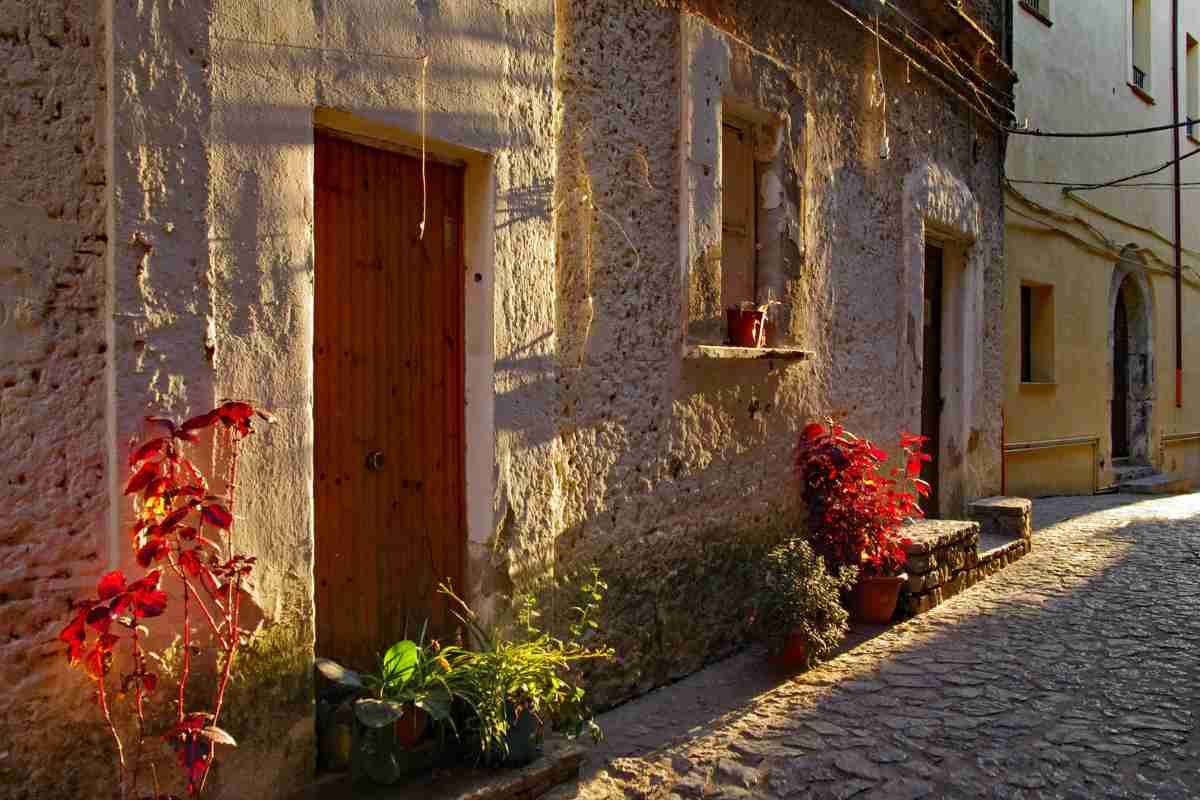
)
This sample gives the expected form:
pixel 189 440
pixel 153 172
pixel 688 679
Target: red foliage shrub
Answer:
pixel 186 532
pixel 855 510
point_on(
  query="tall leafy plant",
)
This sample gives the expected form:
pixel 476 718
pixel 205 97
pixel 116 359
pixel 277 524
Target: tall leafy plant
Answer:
pixel 183 537
pixel 855 508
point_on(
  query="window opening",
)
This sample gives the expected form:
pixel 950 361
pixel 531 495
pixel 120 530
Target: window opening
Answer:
pixel 1193 87
pixel 1037 334
pixel 1141 44
pixel 738 217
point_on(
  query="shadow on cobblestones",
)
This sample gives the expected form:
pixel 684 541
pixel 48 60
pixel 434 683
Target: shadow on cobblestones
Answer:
pixel 1071 674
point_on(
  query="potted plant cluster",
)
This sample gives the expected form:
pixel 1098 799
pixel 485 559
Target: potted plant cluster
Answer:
pixel 856 510
pixel 431 704
pixel 798 610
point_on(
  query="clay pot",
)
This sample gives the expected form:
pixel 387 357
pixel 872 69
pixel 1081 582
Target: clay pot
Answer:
pixel 874 598
pixel 410 728
pixel 793 655
pixel 742 326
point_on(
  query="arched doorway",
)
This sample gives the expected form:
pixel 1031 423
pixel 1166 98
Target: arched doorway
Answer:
pixel 1131 360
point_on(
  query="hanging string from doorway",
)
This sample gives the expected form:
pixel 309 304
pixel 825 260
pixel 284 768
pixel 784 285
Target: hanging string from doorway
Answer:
pixel 879 100
pixel 424 187
pixel 424 80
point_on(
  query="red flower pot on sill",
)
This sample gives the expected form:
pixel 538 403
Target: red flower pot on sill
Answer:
pixel 743 326
pixel 874 598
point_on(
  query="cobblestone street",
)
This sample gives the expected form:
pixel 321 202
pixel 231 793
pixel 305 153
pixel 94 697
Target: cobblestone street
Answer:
pixel 1072 674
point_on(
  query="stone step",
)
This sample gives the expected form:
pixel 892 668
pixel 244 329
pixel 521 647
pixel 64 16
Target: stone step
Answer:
pixel 1155 484
pixel 1125 472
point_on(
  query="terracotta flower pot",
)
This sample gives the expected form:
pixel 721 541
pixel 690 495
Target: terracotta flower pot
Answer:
pixel 410 728
pixel 794 653
pixel 742 326
pixel 874 598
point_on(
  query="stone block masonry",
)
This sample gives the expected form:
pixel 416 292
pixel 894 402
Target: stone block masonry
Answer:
pixel 1004 517
pixel 947 556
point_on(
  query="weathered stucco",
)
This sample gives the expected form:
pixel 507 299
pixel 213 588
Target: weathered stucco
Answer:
pixel 1075 75
pixel 593 213
pixel 54 532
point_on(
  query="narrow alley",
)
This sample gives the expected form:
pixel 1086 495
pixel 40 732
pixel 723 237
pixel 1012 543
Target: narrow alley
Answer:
pixel 1071 674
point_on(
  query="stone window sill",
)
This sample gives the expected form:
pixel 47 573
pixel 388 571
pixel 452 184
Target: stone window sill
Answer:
pixel 1038 384
pixel 715 351
pixel 1142 94
pixel 1039 16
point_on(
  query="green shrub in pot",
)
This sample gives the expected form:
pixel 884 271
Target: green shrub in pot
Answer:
pixel 798 608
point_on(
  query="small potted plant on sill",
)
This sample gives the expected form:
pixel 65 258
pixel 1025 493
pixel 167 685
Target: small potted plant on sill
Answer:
pixel 515 685
pixel 856 510
pixel 798 605
pixel 746 323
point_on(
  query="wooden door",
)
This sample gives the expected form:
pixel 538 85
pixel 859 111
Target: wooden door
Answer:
pixel 931 391
pixel 1120 397
pixel 388 397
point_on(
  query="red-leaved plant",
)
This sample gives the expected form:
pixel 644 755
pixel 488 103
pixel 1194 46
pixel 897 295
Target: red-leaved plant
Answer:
pixel 855 510
pixel 185 533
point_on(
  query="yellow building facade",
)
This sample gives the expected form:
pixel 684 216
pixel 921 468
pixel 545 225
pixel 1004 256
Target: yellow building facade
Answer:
pixel 1091 396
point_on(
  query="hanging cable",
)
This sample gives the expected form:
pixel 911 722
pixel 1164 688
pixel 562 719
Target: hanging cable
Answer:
pixel 1115 181
pixel 976 107
pixel 1142 185
pixel 1097 134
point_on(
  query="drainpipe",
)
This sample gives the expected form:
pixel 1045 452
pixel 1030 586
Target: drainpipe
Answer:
pixel 1178 214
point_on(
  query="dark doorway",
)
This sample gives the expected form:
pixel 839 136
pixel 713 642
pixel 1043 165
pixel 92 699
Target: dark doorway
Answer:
pixel 1120 397
pixel 388 405
pixel 931 391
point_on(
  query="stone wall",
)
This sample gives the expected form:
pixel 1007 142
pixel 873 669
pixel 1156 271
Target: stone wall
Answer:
pixel 53 351
pixel 602 444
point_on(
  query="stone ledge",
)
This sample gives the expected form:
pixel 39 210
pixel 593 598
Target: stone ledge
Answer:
pixel 928 535
pixel 1001 506
pixel 944 558
pixel 558 764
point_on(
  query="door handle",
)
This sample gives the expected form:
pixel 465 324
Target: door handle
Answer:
pixel 375 460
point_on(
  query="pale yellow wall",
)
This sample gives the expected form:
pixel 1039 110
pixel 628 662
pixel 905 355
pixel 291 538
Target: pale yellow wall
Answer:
pixel 1074 75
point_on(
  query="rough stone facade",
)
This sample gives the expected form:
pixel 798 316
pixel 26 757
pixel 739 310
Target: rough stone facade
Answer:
pixel 592 440
pixel 54 529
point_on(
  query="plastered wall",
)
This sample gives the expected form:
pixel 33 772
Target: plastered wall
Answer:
pixel 595 441
pixel 54 529
pixel 1075 76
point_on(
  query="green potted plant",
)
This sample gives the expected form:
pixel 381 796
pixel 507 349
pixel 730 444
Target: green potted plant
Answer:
pixel 415 690
pixel 515 685
pixel 798 604
pixel 856 510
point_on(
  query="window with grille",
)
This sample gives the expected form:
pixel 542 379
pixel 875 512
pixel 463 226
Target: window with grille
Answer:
pixel 1141 18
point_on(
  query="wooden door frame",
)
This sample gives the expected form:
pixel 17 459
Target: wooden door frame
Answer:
pixel 478 241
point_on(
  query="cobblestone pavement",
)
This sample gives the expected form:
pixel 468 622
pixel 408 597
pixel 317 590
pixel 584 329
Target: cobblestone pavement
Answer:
pixel 1072 673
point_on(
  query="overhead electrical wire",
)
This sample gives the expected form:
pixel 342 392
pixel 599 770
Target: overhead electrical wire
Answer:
pixel 1096 134
pixel 1144 173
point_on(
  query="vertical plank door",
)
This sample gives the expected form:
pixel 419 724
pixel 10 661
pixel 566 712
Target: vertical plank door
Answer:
pixel 388 397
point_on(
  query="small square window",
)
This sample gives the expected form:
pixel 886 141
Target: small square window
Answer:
pixel 1037 333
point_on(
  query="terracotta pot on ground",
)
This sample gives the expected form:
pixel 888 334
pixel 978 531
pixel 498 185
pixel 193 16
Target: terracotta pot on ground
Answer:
pixel 410 728
pixel 742 326
pixel 874 598
pixel 794 653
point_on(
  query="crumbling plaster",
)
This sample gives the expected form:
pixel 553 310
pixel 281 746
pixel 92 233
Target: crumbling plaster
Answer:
pixel 53 349
pixel 600 443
